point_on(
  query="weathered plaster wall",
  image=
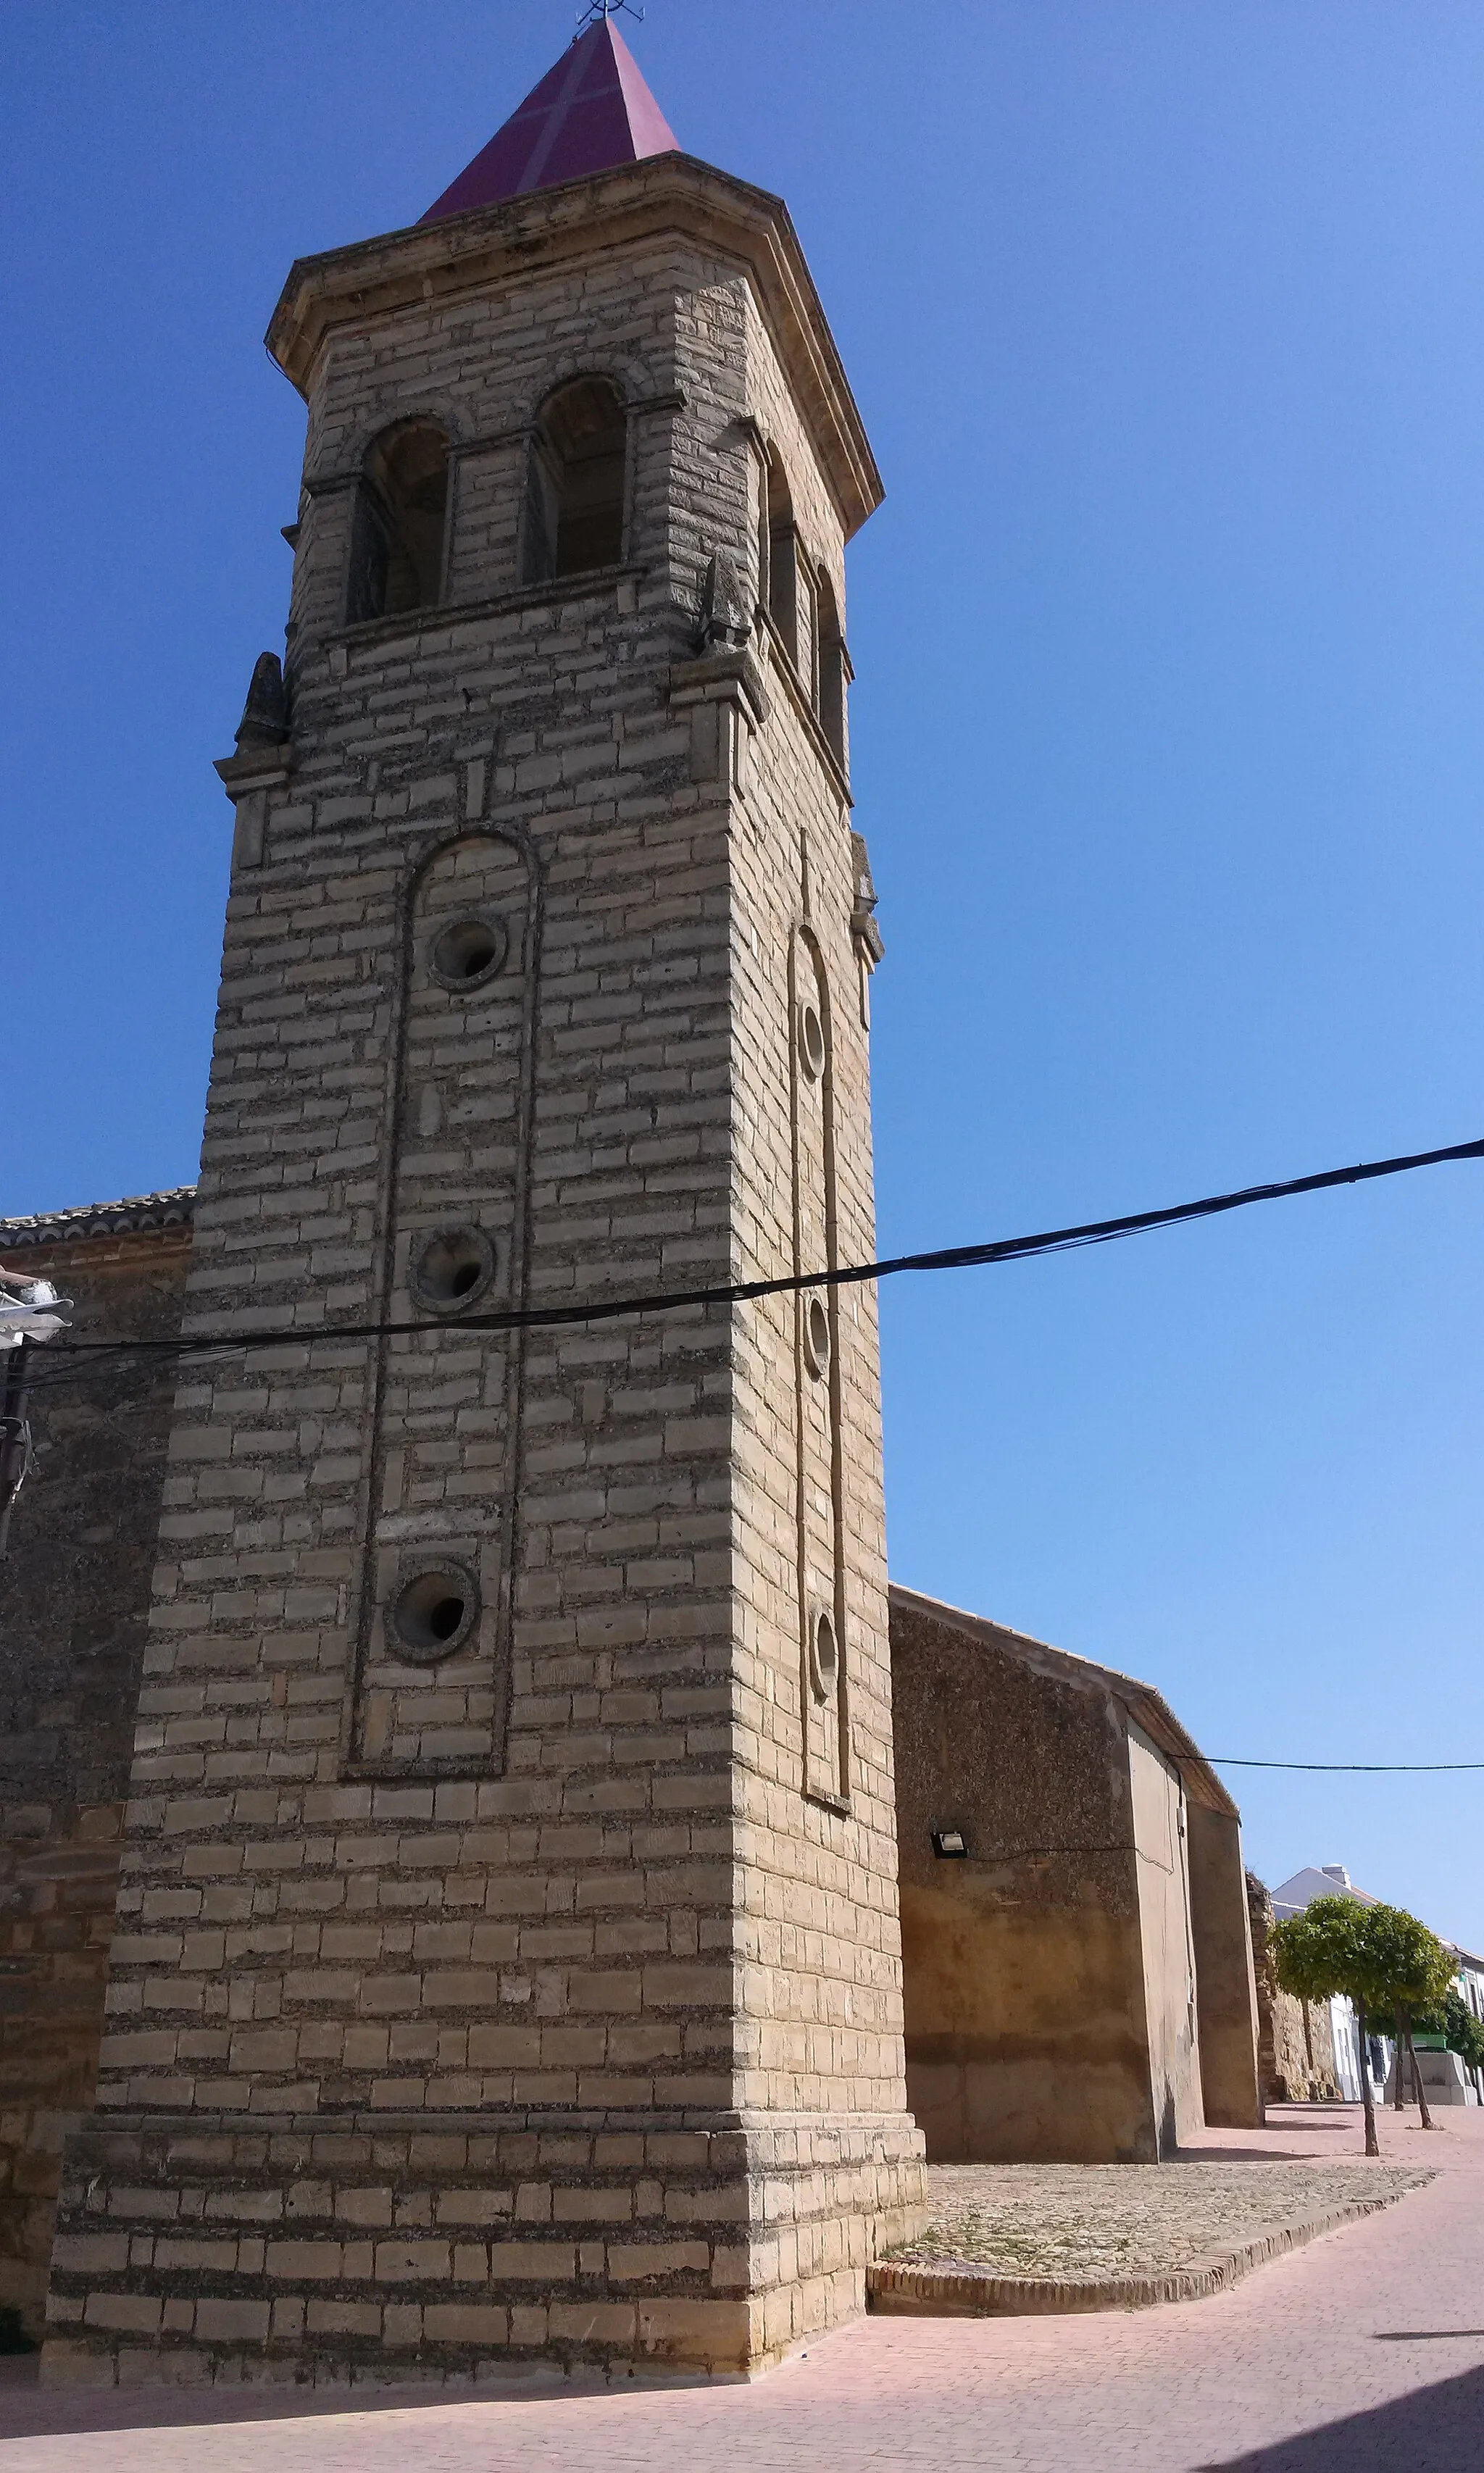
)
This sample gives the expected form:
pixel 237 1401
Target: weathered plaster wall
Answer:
pixel 74 1600
pixel 1023 1966
pixel 1226 1989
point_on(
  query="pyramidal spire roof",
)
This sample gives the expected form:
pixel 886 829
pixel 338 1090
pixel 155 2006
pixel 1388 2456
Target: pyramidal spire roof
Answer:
pixel 590 114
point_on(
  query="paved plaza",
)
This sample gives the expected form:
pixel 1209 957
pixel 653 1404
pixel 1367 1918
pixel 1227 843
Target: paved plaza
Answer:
pixel 1364 2350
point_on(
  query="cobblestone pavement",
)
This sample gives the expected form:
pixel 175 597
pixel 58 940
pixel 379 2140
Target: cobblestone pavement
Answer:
pixel 1082 2223
pixel 1364 2351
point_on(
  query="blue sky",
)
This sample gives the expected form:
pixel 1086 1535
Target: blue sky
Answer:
pixel 1169 745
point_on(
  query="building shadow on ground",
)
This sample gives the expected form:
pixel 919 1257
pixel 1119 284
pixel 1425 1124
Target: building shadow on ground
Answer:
pixel 1261 2155
pixel 1434 2429
pixel 29 2410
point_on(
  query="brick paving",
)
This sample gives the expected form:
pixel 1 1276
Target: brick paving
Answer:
pixel 1363 2351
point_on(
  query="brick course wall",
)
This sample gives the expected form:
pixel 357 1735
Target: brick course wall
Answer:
pixel 544 1997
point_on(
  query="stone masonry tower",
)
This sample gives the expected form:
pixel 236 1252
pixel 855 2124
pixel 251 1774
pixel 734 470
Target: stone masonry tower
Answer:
pixel 506 1958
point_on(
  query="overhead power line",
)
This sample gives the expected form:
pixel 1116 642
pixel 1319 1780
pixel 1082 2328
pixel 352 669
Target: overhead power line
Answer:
pixel 1348 1768
pixel 103 1354
pixel 951 1258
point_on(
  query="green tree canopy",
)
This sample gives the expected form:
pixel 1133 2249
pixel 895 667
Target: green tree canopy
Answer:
pixel 1380 1956
pixel 1409 1966
pixel 1318 1954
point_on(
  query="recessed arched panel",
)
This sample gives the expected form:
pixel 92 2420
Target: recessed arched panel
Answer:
pixel 446 1407
pixel 823 1637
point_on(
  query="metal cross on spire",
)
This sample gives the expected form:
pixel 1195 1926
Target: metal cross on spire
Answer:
pixel 598 12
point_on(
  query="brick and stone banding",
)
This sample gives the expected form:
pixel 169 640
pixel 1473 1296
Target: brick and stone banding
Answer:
pixel 541 2002
pixel 1363 2349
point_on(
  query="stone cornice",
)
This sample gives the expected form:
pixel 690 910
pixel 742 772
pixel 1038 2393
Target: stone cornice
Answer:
pixel 255 768
pixel 465 253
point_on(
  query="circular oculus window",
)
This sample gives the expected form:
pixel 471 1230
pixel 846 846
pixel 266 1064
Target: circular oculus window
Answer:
pixel 811 1039
pixel 454 1267
pixel 468 951
pixel 823 1655
pixel 816 1336
pixel 434 1613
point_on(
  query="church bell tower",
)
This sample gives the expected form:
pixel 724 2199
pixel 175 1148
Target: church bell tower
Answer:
pixel 506 1958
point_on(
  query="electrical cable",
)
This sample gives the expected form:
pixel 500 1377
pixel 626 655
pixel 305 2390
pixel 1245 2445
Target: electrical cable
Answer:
pixel 106 1355
pixel 1346 1768
pixel 952 1258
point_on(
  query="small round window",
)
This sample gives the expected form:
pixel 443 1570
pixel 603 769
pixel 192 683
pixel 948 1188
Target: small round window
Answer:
pixel 453 1269
pixel 811 1039
pixel 816 1336
pixel 435 1611
pixel 468 951
pixel 823 1655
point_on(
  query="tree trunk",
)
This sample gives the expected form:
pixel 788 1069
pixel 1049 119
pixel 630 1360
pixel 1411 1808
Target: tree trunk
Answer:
pixel 1398 2098
pixel 1422 2092
pixel 1372 2142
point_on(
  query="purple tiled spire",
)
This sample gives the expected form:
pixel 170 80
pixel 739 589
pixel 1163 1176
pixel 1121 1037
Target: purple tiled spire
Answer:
pixel 590 114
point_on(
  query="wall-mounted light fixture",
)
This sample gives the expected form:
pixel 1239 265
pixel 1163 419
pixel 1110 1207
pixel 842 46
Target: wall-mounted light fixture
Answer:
pixel 950 1843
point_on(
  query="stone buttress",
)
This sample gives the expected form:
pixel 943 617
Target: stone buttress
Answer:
pixel 506 1958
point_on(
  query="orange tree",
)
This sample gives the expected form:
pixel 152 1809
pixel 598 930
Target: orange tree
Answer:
pixel 1380 1958
pixel 1412 1971
pixel 1319 1954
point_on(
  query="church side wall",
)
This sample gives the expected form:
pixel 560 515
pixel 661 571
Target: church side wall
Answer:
pixel 1026 2034
pixel 1226 1990
pixel 74 1601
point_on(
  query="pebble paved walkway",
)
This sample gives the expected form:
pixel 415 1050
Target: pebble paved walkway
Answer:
pixel 1083 2224
pixel 1362 2352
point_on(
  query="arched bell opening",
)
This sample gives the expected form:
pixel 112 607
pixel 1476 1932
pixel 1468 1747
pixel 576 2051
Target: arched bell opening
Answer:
pixel 402 518
pixel 574 517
